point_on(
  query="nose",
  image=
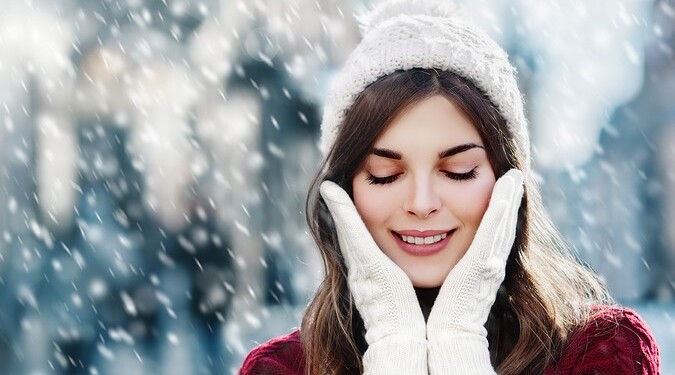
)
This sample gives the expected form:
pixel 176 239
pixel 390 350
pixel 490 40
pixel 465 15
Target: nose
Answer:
pixel 423 199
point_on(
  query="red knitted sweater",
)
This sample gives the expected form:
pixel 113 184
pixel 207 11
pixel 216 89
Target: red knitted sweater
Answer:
pixel 615 341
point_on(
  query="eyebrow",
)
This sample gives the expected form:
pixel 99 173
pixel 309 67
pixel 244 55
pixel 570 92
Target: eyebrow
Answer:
pixel 390 154
pixel 457 149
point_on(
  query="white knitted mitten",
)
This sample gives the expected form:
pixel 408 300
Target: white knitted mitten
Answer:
pixel 455 329
pixel 383 294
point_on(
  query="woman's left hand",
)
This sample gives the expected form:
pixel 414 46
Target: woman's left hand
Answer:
pixel 455 328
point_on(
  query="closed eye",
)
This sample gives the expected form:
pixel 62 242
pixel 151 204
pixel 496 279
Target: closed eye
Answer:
pixel 374 180
pixel 470 175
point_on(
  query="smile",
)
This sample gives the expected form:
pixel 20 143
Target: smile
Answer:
pixel 424 240
pixel 422 243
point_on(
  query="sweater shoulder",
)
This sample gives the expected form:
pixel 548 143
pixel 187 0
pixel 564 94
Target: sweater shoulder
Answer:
pixel 280 355
pixel 615 340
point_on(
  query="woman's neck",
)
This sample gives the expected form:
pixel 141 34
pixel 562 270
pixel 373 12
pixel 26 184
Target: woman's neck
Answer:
pixel 426 298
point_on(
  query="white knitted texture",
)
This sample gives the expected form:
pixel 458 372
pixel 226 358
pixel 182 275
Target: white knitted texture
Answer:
pixel 396 355
pixel 395 8
pixel 460 355
pixel 383 293
pixel 457 319
pixel 449 43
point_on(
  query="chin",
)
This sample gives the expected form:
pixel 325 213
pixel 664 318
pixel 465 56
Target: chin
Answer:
pixel 427 275
pixel 427 282
pixel 424 275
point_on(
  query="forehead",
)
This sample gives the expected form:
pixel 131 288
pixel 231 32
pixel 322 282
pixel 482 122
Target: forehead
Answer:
pixel 432 123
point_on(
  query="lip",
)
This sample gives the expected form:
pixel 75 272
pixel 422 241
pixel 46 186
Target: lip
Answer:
pixel 424 233
pixel 422 250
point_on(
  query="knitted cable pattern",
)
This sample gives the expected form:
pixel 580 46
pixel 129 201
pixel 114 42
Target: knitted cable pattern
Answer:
pixel 383 294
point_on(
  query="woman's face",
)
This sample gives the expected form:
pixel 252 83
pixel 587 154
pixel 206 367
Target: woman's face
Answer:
pixel 424 188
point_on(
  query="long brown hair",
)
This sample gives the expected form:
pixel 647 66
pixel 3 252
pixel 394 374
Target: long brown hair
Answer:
pixel 546 292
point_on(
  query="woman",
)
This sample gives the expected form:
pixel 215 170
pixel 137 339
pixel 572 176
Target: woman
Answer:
pixel 438 256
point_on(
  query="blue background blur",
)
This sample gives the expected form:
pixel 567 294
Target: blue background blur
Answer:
pixel 156 155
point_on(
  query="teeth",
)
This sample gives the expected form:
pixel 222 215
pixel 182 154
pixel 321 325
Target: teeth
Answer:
pixel 424 240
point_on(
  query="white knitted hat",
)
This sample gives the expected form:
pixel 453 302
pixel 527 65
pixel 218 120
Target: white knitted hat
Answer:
pixel 406 34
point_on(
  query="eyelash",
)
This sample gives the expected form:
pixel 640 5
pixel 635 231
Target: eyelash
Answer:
pixel 382 180
pixel 470 175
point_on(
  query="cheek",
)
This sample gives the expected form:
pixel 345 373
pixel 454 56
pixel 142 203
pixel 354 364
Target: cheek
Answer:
pixel 475 197
pixel 373 204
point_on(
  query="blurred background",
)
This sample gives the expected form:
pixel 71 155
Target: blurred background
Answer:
pixel 155 156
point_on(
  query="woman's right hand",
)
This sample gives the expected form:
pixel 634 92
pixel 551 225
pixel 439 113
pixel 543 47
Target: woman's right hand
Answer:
pixel 383 294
